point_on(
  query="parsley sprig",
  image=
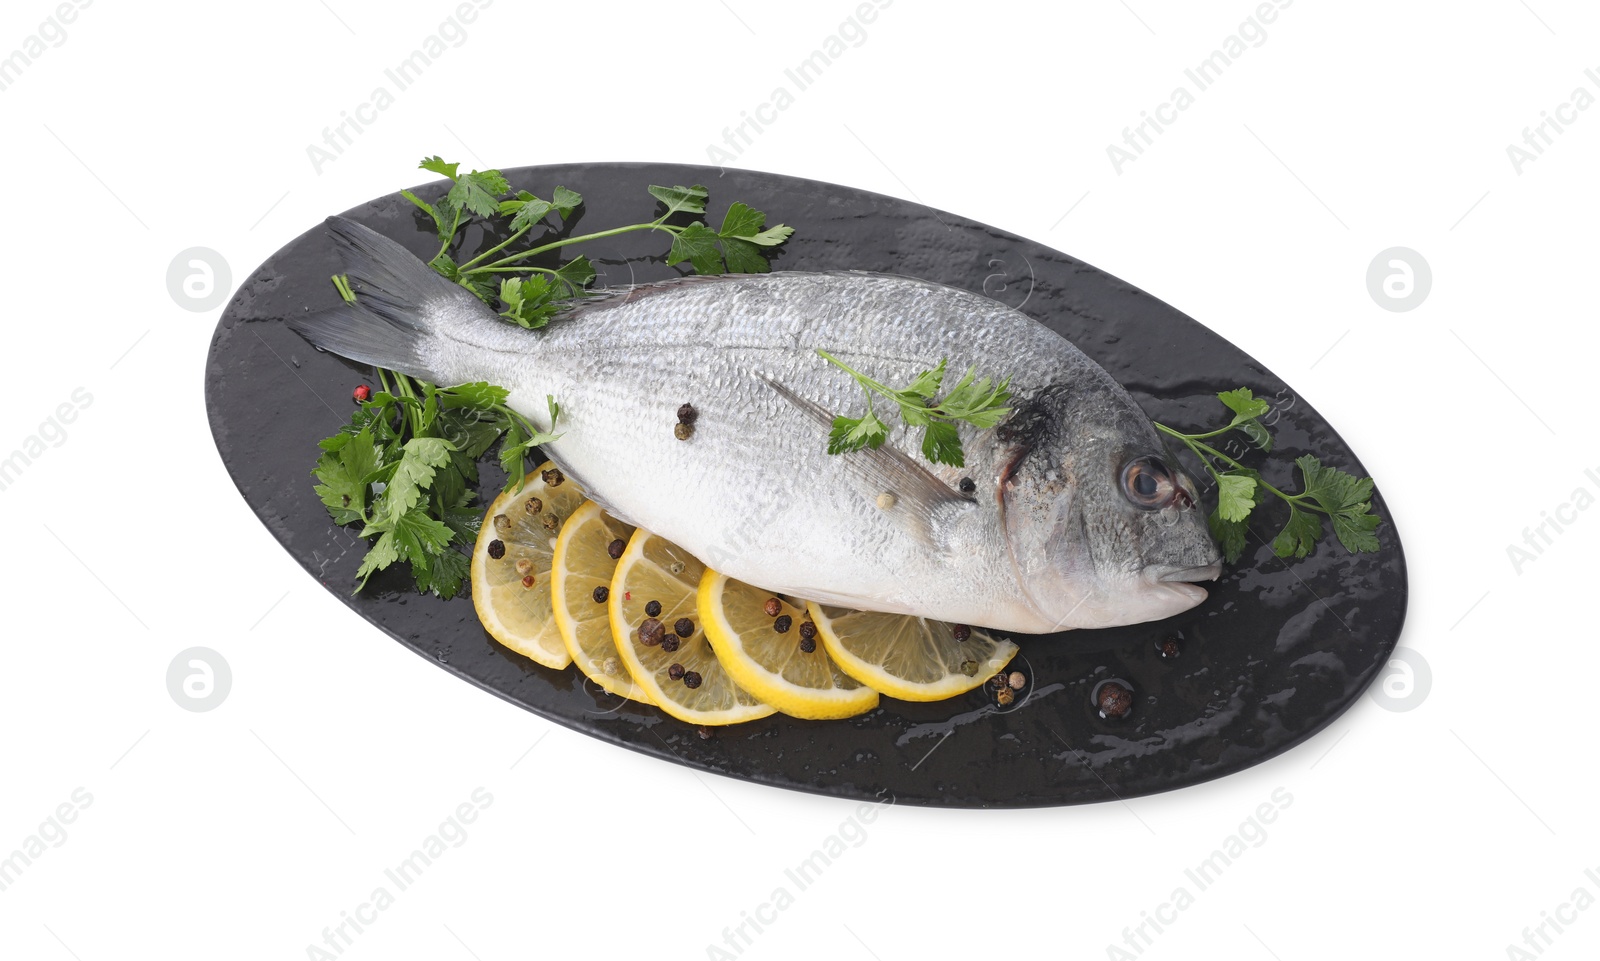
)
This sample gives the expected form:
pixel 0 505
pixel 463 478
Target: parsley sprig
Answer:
pixel 405 466
pixel 530 295
pixel 973 400
pixel 1344 499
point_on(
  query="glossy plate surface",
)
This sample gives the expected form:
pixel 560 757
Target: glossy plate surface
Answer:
pixel 1275 654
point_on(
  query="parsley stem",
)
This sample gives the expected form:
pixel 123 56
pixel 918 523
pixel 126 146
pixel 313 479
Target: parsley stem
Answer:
pixel 495 249
pixel 454 226
pixel 1200 450
pixel 568 241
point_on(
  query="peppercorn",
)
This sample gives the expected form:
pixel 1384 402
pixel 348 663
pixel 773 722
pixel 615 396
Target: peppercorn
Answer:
pixel 1017 680
pixel 552 477
pixel 611 666
pixel 773 607
pixel 524 566
pixel 601 593
pixel 670 642
pixel 533 505
pixel 782 624
pixel 683 431
pixel 808 645
pixel 675 671
pixel 1170 648
pixel 497 549
pixel 652 609
pixel 969 668
pixel 691 679
pixel 961 632
pixel 362 393
pixel 615 548
pixel 967 485
pixel 651 632
pixel 808 631
pixel 528 582
pixel 502 524
pixel 885 501
pixel 683 627
pixel 1115 700
pixel 704 732
pixel 1004 697
pixel 687 414
pixel 551 522
pixel 999 681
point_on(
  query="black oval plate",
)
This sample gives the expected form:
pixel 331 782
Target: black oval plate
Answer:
pixel 1275 654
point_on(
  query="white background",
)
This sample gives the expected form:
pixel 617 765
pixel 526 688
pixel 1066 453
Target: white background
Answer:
pixel 244 832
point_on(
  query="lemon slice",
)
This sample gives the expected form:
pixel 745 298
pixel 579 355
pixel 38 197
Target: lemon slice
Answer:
pixel 512 591
pixel 771 664
pixel 653 569
pixel 909 657
pixel 580 580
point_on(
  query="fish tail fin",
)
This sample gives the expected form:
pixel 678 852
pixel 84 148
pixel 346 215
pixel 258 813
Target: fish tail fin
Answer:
pixel 403 309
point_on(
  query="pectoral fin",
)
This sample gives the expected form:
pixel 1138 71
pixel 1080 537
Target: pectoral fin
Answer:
pixel 923 502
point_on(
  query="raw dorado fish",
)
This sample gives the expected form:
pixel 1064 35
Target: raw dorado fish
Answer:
pixel 1074 516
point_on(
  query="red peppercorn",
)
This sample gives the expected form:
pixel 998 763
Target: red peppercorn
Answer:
pixel 773 607
pixel 362 393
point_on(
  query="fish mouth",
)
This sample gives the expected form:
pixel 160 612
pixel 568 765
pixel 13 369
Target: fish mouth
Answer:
pixel 1181 580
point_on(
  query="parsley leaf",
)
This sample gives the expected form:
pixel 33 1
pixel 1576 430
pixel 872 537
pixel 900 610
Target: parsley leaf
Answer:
pixel 681 200
pixel 1235 496
pixel 1230 536
pixel 698 245
pixel 979 402
pixel 477 192
pixel 853 433
pixel 942 445
pixel 420 457
pixel 530 301
pixel 344 477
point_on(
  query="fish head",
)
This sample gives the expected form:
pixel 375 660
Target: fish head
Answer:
pixel 1102 524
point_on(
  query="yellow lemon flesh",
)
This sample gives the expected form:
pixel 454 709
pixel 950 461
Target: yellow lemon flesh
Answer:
pixel 770 663
pixel 511 591
pixel 908 657
pixel 582 571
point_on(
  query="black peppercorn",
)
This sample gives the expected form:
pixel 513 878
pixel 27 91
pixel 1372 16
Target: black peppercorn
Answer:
pixel 652 609
pixel 782 624
pixel 691 679
pixel 615 548
pixel 675 671
pixel 683 627
pixel 497 549
pixel 601 593
pixel 651 632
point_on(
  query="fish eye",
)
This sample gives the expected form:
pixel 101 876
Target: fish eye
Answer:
pixel 1148 483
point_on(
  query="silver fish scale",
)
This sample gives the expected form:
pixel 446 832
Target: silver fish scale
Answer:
pixel 754 493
